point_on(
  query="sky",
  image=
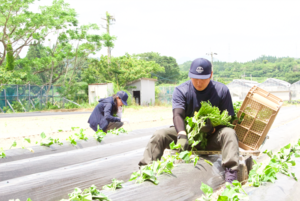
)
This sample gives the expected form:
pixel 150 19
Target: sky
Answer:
pixel 238 31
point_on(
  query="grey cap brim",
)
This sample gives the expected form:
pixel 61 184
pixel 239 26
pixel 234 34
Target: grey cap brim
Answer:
pixel 202 77
pixel 124 102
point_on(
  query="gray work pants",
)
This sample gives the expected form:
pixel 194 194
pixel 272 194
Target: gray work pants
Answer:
pixel 224 139
pixel 114 125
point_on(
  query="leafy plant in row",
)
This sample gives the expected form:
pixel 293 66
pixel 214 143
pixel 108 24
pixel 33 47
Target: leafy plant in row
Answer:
pixel 233 192
pixel 81 135
pixel 165 165
pixel 2 153
pixel 116 131
pixel 116 184
pixel 89 194
pixel 99 134
pixel 280 162
pixel 48 141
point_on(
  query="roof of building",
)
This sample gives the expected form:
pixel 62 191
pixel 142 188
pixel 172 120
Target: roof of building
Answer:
pixel 247 83
pixel 100 83
pixel 151 79
pixel 277 81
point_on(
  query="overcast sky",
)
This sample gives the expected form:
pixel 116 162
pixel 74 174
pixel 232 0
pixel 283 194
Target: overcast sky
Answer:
pixel 184 29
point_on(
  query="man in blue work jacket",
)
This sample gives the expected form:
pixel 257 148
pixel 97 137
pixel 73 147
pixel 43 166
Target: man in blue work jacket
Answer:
pixel 186 100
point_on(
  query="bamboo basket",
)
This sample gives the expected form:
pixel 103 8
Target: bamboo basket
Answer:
pixel 259 111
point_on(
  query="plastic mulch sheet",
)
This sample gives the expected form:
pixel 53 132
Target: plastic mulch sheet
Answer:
pixel 19 154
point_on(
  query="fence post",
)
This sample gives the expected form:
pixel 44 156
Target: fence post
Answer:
pixel 29 100
pixel 41 99
pixel 17 92
pixel 52 95
pixel 5 98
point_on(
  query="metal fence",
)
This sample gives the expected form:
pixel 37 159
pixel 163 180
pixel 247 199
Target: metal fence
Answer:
pixel 31 97
pixel 165 94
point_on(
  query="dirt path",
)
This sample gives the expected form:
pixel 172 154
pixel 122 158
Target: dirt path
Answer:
pixel 19 127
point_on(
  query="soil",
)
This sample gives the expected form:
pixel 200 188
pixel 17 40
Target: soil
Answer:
pixel 15 129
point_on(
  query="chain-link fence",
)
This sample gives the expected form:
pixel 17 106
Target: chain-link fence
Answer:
pixel 165 94
pixel 25 98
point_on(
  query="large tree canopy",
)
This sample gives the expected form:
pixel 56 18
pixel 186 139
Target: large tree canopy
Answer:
pixel 120 70
pixel 172 71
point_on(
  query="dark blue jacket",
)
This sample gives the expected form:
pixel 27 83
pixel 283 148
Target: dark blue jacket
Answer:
pixel 103 114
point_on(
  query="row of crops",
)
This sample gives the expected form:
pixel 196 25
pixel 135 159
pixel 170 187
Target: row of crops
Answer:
pixel 108 170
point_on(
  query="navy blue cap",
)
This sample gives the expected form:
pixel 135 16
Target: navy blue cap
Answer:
pixel 123 96
pixel 200 69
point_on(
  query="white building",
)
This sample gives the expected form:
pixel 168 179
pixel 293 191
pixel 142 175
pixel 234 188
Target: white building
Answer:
pixel 142 90
pixel 100 90
pixel 239 89
pixel 279 88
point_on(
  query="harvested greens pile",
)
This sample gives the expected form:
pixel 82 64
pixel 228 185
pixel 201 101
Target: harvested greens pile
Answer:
pixel 194 124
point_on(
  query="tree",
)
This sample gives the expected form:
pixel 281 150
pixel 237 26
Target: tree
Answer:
pixel 172 71
pixel 10 64
pixel 292 77
pixel 120 70
pixel 21 26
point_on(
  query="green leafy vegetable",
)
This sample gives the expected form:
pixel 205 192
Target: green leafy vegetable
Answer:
pixel 116 184
pixel 48 142
pixel 81 135
pixel 60 130
pixel 99 135
pixel 89 194
pixel 207 190
pixel 2 153
pixel 72 140
pixel 73 128
pixel 280 162
pixel 194 124
pixel 151 171
pixel 43 135
pixel 173 146
pixel 233 192
pixel 14 144
pixel 117 131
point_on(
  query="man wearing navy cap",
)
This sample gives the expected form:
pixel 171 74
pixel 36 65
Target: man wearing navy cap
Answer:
pixel 186 100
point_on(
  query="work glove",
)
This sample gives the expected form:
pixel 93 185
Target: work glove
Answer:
pixel 208 128
pixel 183 141
pixel 125 120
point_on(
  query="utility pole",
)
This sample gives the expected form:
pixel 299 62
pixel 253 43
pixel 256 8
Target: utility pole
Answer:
pixel 212 61
pixel 109 18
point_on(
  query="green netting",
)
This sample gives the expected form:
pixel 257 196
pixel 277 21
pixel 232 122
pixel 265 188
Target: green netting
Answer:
pixel 30 97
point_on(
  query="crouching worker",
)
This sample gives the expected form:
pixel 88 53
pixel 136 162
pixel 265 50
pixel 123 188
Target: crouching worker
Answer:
pixel 103 114
pixel 186 100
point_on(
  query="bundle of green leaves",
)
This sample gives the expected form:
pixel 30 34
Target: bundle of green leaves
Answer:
pixel 232 192
pixel 116 184
pixel 195 123
pixel 89 194
pixel 280 162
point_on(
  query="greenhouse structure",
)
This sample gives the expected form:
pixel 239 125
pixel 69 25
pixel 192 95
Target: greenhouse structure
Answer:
pixel 277 87
pixel 295 90
pixel 239 88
